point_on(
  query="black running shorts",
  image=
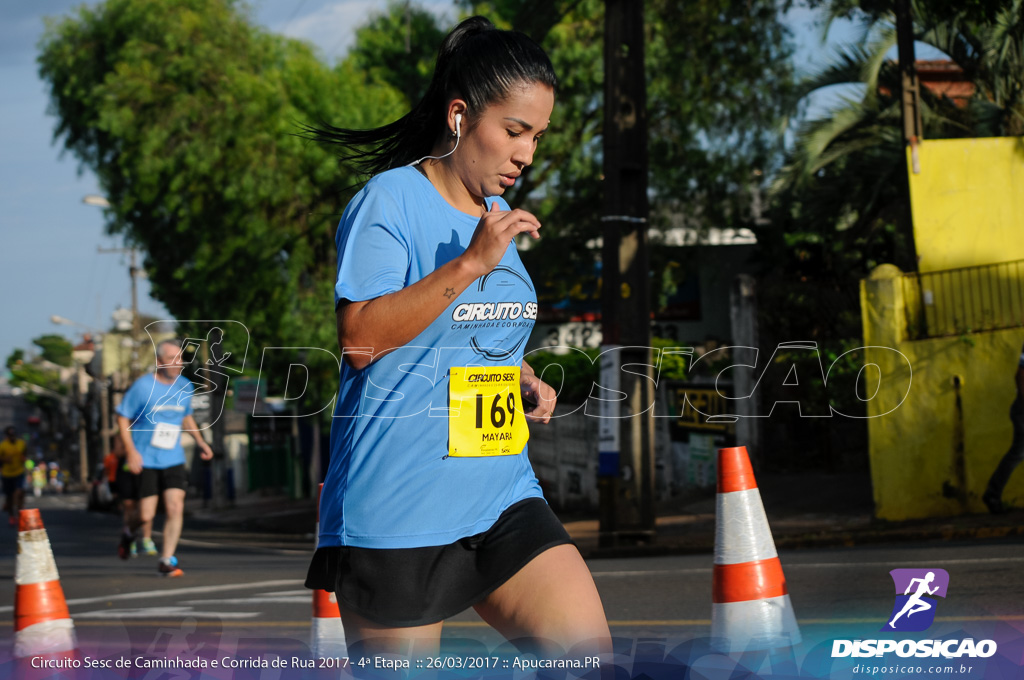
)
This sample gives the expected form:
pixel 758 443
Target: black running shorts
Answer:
pixel 404 587
pixel 153 482
pixel 127 483
pixel 12 484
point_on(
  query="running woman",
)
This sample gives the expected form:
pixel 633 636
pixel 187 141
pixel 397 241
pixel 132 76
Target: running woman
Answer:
pixel 430 505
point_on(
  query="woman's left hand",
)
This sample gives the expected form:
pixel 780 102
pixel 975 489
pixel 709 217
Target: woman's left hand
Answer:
pixel 539 398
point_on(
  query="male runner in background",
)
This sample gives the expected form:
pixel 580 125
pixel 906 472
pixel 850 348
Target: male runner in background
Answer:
pixel 154 412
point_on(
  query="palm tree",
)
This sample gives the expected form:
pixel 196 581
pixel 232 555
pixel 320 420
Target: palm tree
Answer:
pixel 842 193
pixel 991 55
pixel 840 203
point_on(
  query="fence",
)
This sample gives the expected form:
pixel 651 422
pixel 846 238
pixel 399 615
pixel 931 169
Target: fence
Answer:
pixel 966 300
pixel 564 453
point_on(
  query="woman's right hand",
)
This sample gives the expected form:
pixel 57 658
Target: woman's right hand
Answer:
pixel 369 329
pixel 493 233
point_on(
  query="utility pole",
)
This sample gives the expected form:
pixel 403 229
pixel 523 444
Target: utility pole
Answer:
pixel 910 86
pixel 910 110
pixel 220 463
pixel 135 368
pixel 83 444
pixel 626 469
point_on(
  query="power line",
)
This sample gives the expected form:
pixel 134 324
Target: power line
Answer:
pixel 289 22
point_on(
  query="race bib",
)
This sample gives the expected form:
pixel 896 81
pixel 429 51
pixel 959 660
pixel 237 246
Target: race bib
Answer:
pixel 485 417
pixel 165 436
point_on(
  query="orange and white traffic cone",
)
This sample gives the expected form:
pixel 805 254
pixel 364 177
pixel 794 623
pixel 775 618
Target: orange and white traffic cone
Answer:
pixel 42 624
pixel 327 637
pixel 750 602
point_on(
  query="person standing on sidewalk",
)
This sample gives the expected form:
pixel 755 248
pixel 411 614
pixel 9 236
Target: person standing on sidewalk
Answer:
pixel 12 458
pixel 993 497
pixel 154 412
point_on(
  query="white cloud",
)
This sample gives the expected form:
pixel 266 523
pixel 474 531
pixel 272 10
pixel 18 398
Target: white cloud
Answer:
pixel 332 26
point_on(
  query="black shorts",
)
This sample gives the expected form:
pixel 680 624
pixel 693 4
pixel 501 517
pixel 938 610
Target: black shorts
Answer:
pixel 12 484
pixel 153 482
pixel 127 483
pixel 404 587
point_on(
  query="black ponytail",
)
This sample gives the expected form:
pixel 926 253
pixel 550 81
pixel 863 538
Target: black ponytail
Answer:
pixel 476 62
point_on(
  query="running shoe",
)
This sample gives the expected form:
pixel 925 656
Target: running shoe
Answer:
pixel 148 546
pixel 169 567
pixel 134 551
pixel 126 546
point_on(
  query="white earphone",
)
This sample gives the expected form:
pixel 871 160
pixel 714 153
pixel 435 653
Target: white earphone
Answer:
pixel 458 136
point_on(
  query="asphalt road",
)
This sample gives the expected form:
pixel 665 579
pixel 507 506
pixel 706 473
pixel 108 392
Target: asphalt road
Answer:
pixel 242 593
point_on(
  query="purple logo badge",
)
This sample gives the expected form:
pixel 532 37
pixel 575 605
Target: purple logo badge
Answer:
pixel 916 590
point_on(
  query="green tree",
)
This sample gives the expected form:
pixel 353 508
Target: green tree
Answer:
pixel 876 10
pixel 841 203
pixel 718 87
pixel 398 47
pixel 187 114
pixel 54 348
pixel 719 90
pixel 39 375
pixel 15 358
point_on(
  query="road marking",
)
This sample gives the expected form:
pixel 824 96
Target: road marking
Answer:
pixel 305 598
pixel 627 623
pixel 162 611
pixel 652 572
pixel 890 564
pixel 178 592
pixel 300 596
pixel 244 546
pixel 57 502
pixel 811 565
pixel 176 623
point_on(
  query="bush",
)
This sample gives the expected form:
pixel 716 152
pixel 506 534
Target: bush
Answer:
pixel 573 374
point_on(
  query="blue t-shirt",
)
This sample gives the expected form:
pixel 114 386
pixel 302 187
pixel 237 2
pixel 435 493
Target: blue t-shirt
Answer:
pixel 156 410
pixel 391 483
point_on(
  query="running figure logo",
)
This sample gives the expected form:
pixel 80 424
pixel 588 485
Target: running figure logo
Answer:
pixel 914 609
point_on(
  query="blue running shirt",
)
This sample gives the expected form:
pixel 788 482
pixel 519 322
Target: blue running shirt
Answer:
pixel 156 410
pixel 391 483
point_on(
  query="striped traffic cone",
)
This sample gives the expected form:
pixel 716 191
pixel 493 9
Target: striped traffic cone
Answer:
pixel 327 637
pixel 42 624
pixel 750 602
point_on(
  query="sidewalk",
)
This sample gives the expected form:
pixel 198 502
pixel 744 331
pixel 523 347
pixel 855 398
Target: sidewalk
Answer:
pixel 804 510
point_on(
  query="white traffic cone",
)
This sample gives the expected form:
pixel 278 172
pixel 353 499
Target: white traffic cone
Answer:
pixel 750 602
pixel 42 624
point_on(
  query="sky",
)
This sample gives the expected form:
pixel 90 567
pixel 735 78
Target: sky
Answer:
pixel 51 265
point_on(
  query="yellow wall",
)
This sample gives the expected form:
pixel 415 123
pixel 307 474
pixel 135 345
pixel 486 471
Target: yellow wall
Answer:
pixel 968 202
pixel 117 356
pixel 916 469
pixel 117 353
